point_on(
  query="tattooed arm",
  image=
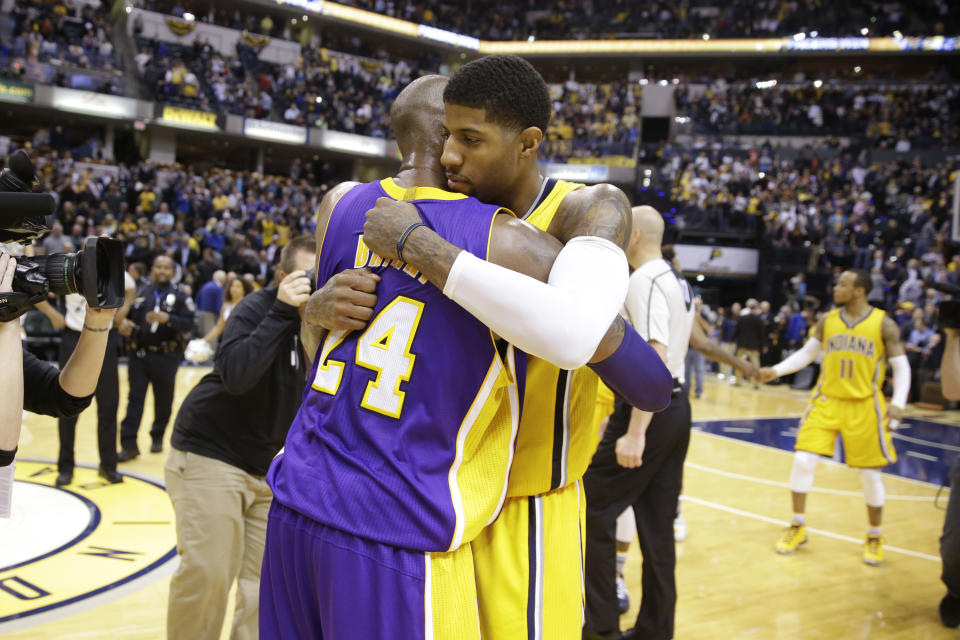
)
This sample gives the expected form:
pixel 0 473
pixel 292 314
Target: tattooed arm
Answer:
pixel 602 211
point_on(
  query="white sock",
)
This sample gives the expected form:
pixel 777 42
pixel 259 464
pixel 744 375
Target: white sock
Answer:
pixel 621 560
pixel 873 531
pixel 799 518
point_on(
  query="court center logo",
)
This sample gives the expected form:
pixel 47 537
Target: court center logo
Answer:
pixel 69 549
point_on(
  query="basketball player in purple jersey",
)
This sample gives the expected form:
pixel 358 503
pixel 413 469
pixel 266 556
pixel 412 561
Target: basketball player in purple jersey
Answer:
pixel 379 487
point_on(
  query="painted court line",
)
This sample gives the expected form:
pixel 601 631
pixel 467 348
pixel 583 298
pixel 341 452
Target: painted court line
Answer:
pixel 820 532
pixel 786 485
pixel 922 456
pixel 755 445
pixel 928 443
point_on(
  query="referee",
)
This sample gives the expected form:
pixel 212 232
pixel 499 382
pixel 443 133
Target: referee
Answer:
pixel 660 306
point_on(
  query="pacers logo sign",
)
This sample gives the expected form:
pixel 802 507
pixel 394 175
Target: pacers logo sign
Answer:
pixel 69 549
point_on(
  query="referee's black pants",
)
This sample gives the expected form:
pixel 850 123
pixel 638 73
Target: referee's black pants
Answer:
pixel 652 489
pixel 108 400
pixel 149 368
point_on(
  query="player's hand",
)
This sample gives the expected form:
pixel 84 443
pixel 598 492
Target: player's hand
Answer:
pixel 630 450
pixel 346 301
pixel 294 290
pixel 894 417
pixel 126 328
pixel 8 266
pixel 749 370
pixel 765 375
pixel 385 223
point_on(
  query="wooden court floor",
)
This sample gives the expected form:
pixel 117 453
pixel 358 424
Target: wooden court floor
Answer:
pixel 731 583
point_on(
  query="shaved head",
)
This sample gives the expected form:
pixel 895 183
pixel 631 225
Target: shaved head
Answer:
pixel 417 114
pixel 649 223
pixel 646 237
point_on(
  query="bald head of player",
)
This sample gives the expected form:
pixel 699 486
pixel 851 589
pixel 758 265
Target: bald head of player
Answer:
pixel 647 236
pixel 417 118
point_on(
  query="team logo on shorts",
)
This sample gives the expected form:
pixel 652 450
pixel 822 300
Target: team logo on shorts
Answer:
pixel 72 548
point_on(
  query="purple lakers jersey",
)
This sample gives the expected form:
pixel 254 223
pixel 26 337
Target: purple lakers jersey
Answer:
pixel 407 429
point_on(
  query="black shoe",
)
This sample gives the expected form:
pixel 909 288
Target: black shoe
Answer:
pixel 950 611
pixel 110 475
pixel 156 446
pixel 64 478
pixel 126 455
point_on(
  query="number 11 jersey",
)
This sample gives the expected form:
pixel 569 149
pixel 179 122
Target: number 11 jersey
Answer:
pixel 407 428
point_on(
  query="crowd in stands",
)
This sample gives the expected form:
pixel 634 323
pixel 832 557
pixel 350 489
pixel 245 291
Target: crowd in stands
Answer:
pixel 62 43
pixel 569 19
pixel 843 207
pixel 900 117
pixel 220 219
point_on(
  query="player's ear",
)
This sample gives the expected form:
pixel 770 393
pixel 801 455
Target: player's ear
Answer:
pixel 530 139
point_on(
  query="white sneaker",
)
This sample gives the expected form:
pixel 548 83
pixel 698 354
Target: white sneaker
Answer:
pixel 680 531
pixel 623 596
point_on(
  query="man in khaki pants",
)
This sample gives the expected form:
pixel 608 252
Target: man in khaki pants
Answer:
pixel 229 428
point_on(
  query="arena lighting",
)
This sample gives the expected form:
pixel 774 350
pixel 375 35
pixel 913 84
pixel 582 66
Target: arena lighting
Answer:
pixel 766 84
pixel 814 34
pixel 706 36
pixel 898 35
pixel 864 31
pixel 662 83
pixel 799 36
pixel 818 83
pixel 676 81
pixel 305 17
pixel 644 81
pixel 532 38
pixel 761 175
pixel 319 99
pixel 700 278
pixel 857 69
pixel 128 9
pixel 189 17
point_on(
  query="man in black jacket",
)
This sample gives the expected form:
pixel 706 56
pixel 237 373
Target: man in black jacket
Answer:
pixel 749 333
pixel 229 428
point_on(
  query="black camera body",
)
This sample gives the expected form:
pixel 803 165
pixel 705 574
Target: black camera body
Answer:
pixel 95 272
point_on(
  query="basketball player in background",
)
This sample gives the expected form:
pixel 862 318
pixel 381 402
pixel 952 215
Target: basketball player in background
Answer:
pixel 639 462
pixel 344 469
pixel 848 400
pixel 529 561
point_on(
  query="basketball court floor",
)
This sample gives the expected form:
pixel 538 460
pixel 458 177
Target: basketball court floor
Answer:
pixel 93 560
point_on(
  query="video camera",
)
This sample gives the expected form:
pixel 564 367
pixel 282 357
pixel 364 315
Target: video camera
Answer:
pixel 948 311
pixel 95 272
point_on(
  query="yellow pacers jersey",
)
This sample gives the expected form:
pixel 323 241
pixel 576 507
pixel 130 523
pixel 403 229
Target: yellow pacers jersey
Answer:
pixel 854 363
pixel 557 435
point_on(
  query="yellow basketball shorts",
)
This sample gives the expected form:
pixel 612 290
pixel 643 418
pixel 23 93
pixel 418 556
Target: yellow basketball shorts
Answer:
pixel 859 421
pixel 529 567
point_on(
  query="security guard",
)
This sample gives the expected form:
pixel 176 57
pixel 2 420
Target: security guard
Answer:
pixel 157 327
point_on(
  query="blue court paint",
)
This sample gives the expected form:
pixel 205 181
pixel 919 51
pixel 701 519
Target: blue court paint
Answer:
pixel 925 450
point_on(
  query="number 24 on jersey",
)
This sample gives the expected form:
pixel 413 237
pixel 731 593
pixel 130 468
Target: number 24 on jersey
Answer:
pixel 384 348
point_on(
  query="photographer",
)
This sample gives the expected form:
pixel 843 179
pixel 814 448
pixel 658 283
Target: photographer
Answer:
pixel 226 433
pixel 38 386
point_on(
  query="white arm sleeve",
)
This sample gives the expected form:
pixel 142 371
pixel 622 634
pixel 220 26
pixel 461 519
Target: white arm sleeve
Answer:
pixel 798 359
pixel 901 380
pixel 562 321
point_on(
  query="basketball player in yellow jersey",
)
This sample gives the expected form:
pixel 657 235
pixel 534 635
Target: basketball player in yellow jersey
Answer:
pixel 529 561
pixel 856 339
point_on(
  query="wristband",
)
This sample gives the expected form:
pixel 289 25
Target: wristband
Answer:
pixel 89 328
pixel 404 236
